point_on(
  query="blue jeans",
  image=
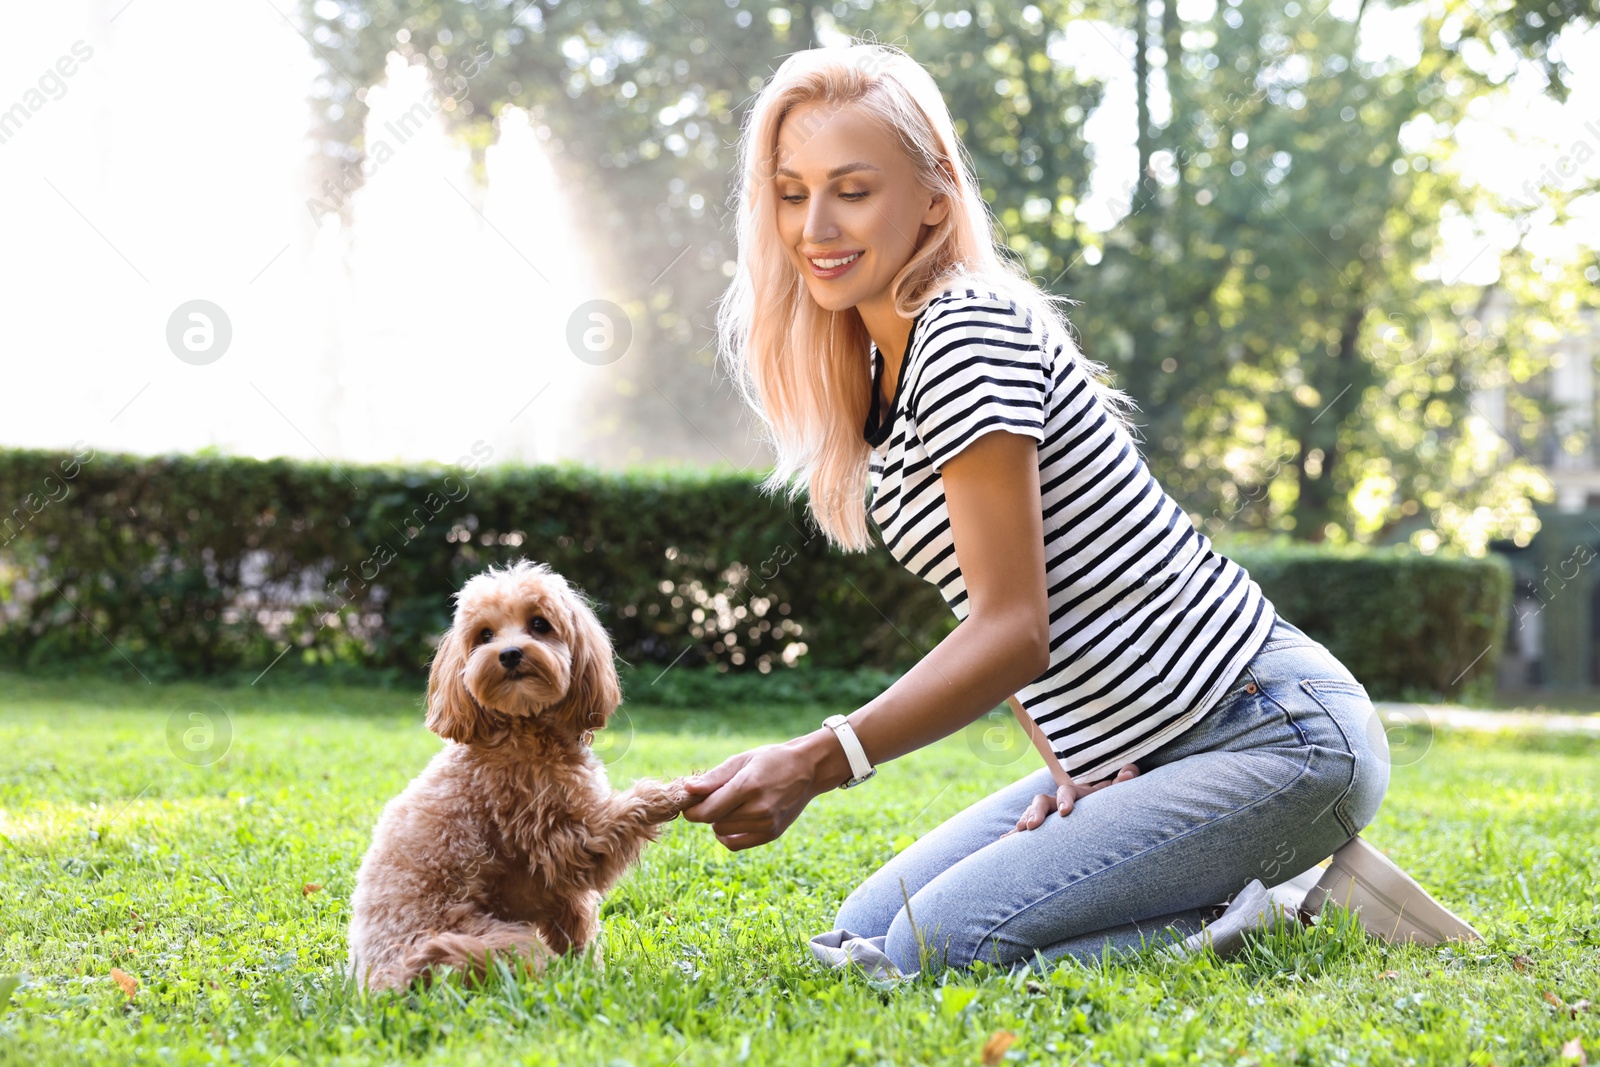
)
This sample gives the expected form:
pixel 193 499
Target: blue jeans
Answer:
pixel 1288 765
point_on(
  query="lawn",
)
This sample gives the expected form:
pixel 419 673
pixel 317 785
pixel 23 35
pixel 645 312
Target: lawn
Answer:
pixel 157 909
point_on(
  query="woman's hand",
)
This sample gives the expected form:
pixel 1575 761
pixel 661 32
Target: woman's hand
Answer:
pixel 751 798
pixel 1063 800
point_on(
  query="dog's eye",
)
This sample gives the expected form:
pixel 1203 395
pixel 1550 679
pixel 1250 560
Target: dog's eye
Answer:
pixel 539 624
pixel 485 636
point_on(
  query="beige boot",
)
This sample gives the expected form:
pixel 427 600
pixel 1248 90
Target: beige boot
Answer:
pixel 1390 904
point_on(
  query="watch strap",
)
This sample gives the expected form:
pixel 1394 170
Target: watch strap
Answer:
pixel 860 767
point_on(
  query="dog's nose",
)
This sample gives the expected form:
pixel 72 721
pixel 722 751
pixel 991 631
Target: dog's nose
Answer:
pixel 510 657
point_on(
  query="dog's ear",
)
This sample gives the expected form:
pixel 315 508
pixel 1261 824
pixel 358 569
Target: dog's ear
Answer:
pixel 595 691
pixel 452 712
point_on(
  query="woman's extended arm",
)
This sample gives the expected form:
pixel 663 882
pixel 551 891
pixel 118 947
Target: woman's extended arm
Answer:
pixel 996 522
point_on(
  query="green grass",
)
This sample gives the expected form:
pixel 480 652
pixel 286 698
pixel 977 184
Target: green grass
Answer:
pixel 193 879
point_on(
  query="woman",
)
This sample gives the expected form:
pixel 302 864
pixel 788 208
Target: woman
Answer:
pixel 877 330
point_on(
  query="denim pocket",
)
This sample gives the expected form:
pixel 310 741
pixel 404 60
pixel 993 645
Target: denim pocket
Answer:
pixel 1350 709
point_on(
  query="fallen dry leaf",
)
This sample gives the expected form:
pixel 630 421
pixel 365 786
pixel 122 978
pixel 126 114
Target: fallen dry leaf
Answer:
pixel 995 1047
pixel 128 983
pixel 309 888
pixel 1573 1050
pixel 1573 1010
pixel 1521 962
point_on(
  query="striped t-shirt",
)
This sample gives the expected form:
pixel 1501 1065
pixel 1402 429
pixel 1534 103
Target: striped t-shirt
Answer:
pixel 1149 624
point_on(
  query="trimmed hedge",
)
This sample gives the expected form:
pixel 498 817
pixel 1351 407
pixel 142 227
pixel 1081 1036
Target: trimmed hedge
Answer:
pixel 1410 626
pixel 229 567
pixel 214 565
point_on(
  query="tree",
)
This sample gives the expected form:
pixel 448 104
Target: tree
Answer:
pixel 1265 299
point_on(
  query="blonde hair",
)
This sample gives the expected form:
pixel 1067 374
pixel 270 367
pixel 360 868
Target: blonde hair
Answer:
pixel 805 370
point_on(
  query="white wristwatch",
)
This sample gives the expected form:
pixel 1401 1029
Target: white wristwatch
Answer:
pixel 860 768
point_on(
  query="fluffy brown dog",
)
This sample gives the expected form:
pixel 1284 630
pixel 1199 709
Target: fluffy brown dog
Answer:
pixel 508 839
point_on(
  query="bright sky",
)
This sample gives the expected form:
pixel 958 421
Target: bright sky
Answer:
pixel 168 167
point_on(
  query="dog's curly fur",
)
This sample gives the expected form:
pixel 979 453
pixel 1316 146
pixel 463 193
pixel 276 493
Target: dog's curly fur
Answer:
pixel 509 838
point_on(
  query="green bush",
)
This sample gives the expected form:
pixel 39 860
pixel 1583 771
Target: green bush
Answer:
pixel 1410 626
pixel 209 565
pixel 226 567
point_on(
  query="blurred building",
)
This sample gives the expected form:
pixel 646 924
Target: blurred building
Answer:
pixel 1553 635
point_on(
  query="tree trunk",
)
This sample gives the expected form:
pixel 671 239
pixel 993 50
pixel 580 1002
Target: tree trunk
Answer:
pixel 1172 44
pixel 1141 77
pixel 1141 361
pixel 1314 508
pixel 804 26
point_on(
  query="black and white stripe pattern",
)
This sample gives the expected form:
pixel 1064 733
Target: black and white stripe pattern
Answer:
pixel 1148 623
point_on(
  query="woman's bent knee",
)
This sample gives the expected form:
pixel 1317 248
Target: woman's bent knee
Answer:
pixel 869 909
pixel 856 915
pixel 931 945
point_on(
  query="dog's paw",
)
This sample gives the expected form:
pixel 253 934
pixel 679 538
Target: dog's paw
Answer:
pixel 663 801
pixel 680 796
